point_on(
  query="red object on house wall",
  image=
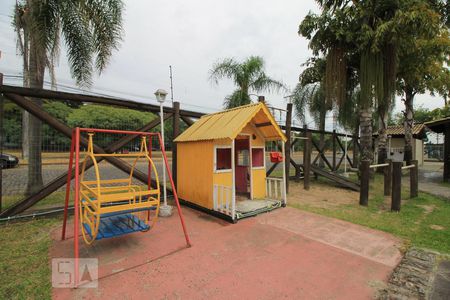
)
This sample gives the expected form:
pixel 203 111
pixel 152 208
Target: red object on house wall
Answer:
pixel 276 157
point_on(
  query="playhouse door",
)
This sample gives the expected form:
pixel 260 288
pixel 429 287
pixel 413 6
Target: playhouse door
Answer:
pixel 242 163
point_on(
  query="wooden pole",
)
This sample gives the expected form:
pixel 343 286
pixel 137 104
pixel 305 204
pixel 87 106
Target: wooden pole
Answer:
pixel 355 152
pixel 396 186
pixel 81 98
pixel 2 115
pixel 288 145
pixel 414 179
pixel 333 136
pixel 387 178
pixel 307 161
pixel 447 154
pixel 364 169
pixel 176 132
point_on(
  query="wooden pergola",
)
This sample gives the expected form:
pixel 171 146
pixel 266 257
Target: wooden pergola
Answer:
pixel 443 126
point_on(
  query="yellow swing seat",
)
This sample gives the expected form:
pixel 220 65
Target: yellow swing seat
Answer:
pixel 114 207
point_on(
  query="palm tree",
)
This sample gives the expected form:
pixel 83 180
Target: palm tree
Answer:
pixel 91 30
pixel 248 76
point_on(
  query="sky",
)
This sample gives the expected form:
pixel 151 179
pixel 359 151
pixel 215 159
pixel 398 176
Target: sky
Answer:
pixel 191 36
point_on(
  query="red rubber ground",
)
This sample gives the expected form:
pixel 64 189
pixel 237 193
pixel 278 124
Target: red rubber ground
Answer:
pixel 283 254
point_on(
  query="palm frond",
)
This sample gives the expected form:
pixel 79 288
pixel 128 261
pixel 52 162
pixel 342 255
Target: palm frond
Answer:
pixel 105 20
pixel 227 68
pixel 266 84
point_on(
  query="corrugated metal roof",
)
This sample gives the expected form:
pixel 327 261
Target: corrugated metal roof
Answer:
pixel 400 129
pixel 229 123
pixel 418 131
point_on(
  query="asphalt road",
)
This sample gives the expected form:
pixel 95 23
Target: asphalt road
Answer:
pixel 15 180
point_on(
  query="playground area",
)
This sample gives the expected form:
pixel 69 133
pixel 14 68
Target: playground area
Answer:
pixel 306 223
pixel 286 253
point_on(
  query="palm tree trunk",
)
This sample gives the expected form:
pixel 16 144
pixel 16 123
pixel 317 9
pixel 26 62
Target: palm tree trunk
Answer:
pixel 382 139
pixel 322 117
pixel 409 121
pixel 365 120
pixel 26 83
pixel 37 69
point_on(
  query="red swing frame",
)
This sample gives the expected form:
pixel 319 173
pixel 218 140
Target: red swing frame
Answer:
pixel 75 153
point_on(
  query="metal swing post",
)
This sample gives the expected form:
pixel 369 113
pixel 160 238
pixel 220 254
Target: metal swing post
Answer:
pixel 76 203
pixel 69 179
pixel 175 196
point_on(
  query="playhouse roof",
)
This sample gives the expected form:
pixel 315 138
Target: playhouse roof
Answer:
pixel 229 123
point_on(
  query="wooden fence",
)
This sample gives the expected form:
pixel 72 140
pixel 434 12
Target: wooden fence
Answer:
pixel 18 95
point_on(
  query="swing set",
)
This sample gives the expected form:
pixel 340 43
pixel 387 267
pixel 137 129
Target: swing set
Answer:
pixel 107 208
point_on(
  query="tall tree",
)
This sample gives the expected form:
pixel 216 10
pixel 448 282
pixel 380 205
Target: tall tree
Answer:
pixel 372 30
pixel 424 54
pixel 91 30
pixel 249 76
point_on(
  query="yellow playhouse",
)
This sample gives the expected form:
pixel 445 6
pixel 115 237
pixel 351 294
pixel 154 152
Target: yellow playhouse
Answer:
pixel 221 163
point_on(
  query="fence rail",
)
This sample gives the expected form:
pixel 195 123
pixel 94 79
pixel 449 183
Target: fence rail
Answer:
pixel 274 188
pixel 223 199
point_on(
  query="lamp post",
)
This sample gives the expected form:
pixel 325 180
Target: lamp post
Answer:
pixel 164 210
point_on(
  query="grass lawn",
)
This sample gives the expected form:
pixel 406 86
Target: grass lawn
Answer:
pixel 24 261
pixel 53 200
pixel 423 221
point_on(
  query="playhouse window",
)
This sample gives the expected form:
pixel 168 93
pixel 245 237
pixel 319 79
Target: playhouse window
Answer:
pixel 257 157
pixel 223 158
pixel 243 158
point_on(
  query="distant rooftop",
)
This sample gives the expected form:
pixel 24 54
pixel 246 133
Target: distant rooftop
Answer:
pixel 399 131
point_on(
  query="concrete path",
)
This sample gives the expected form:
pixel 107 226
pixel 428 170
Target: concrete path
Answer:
pixel 435 189
pixel 283 254
pixel 430 179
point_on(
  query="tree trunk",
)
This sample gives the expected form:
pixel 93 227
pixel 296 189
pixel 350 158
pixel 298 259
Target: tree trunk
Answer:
pixel 322 118
pixel 37 69
pixel 25 129
pixel 382 139
pixel 26 83
pixel 365 120
pixel 409 122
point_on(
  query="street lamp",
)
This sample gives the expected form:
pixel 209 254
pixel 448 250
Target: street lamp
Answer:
pixel 165 210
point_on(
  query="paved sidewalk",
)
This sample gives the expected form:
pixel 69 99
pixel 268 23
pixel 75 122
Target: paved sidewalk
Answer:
pixel 435 189
pixel 286 253
pixel 430 179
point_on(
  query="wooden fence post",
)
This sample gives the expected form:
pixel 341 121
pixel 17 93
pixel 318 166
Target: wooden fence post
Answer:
pixel 307 160
pixel 287 149
pixel 396 186
pixel 2 115
pixel 387 178
pixel 176 132
pixel 333 136
pixel 447 153
pixel 414 179
pixel 355 152
pixel 364 169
